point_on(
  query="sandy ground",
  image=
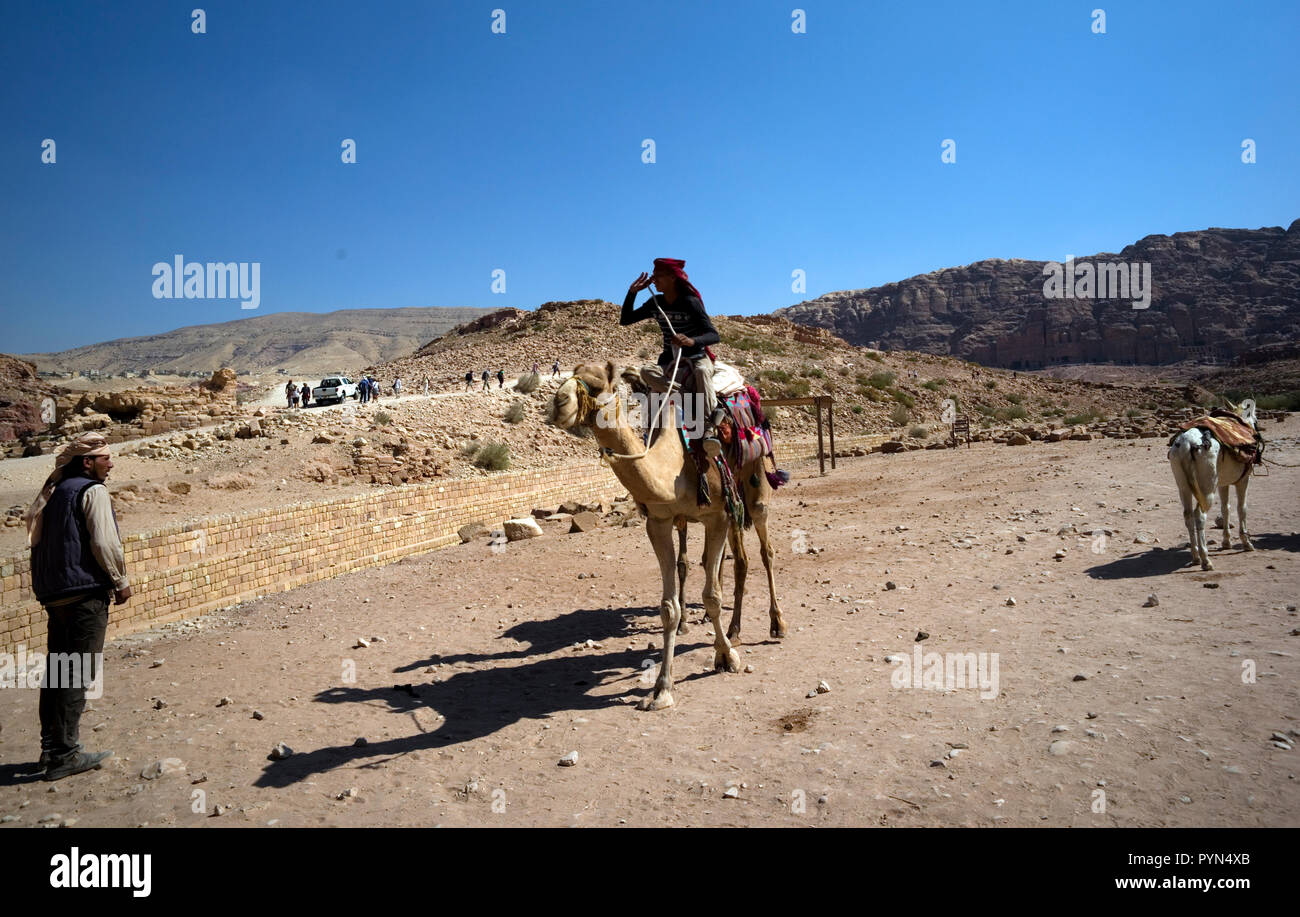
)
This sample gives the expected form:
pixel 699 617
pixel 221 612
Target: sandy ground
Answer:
pixel 1165 728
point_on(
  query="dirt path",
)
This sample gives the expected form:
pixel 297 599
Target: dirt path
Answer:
pixel 1162 729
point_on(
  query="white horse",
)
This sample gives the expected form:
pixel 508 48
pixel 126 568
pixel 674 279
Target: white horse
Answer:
pixel 1201 467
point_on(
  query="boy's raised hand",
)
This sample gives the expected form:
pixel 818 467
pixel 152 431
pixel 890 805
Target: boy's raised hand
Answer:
pixel 640 283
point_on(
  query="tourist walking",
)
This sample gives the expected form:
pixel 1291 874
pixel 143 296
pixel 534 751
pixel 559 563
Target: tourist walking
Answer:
pixel 290 392
pixel 487 385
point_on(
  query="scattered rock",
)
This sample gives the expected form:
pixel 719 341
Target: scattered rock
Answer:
pixel 569 760
pixel 163 767
pixel 1151 602
pixel 280 752
pixel 520 529
pixel 1060 747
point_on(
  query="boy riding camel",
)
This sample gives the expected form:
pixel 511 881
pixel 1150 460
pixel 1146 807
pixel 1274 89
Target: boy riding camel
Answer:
pixel 679 310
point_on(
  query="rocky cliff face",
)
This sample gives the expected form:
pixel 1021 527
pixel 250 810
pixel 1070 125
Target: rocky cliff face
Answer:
pixel 1215 294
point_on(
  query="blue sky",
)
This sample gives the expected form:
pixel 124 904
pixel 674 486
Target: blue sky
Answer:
pixel 522 151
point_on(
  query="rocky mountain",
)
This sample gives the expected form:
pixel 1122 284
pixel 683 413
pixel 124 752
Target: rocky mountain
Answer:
pixel 295 341
pixel 1211 295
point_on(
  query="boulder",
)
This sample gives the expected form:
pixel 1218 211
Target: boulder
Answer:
pixel 519 529
pixel 584 522
pixel 1018 439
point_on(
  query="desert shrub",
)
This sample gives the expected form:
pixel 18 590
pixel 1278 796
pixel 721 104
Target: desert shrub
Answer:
pixel 872 355
pixel 856 409
pixel 902 397
pixel 1012 413
pixel 933 384
pixel 493 456
pixel 526 383
pixel 470 448
pixel 1287 401
pixel 1015 397
pixel 761 344
pixel 899 416
pixel 991 384
pixel 1086 417
pixel 798 388
pixel 918 432
pixel 776 375
pixel 383 418
pixel 882 379
pixel 515 412
pixel 1132 412
pixel 812 372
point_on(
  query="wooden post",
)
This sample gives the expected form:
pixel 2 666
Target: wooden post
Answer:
pixel 821 450
pixel 830 426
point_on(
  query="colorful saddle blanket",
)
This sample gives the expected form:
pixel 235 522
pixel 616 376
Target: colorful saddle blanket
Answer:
pixel 1233 433
pixel 744 433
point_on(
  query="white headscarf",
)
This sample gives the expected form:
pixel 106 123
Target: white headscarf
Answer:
pixel 85 444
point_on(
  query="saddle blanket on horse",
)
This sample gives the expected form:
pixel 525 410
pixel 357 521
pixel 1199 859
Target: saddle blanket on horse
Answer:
pixel 1233 433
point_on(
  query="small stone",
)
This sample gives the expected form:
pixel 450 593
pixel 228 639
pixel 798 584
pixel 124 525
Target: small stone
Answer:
pixel 922 635
pixel 362 642
pixel 257 715
pixel 1060 729
pixel 1090 715
pixel 1080 677
pixel 224 702
pixel 1151 602
pixel 360 742
pixel 749 669
pixel 937 763
pixel 156 663
pixel 890 584
pixel 823 688
pixel 349 793
pixel 1209 585
pixel 1060 747
pixel 731 792
pixel 1011 602
pixel 569 760
pixel 280 752
pixel 163 766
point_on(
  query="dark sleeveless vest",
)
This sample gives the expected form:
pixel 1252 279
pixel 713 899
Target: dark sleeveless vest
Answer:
pixel 63 563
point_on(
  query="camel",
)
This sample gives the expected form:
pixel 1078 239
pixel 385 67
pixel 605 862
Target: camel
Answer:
pixel 662 480
pixel 1201 466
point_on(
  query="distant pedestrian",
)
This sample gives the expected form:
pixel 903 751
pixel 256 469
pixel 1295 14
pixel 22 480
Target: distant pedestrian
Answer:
pixel 363 392
pixel 469 380
pixel 305 391
pixel 397 387
pixel 555 369
pixel 426 385
pixel 501 377
pixel 534 367
pixel 290 393
pixel 77 568
pixel 374 388
pixel 487 385
pixel 293 395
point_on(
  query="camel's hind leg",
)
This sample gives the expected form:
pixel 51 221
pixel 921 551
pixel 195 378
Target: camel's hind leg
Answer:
pixel 759 512
pixel 715 535
pixel 1242 531
pixel 670 611
pixel 736 538
pixel 1223 514
pixel 683 567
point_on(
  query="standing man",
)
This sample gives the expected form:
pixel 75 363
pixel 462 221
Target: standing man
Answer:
pixel 397 387
pixel 555 369
pixel 501 377
pixel 469 380
pixel 290 391
pixel 487 385
pixel 77 567
pixel 692 333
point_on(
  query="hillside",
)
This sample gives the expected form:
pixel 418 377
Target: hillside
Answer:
pixel 294 341
pixel 1215 294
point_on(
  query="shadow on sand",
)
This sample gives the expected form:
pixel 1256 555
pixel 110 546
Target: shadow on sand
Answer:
pixel 1163 561
pixel 478 703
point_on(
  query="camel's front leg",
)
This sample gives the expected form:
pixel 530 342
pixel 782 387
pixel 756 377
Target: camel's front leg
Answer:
pixel 765 551
pixel 670 610
pixel 1241 486
pixel 1223 515
pixel 736 538
pixel 725 658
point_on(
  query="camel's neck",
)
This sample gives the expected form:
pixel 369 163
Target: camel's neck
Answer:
pixel 651 478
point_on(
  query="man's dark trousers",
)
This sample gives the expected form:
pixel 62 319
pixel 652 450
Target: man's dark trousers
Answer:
pixel 75 628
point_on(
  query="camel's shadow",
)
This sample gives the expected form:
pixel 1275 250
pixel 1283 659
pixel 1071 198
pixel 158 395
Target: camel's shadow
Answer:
pixel 477 703
pixel 1163 561
pixel 1156 562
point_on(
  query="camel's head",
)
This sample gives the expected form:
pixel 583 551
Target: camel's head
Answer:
pixel 575 401
pixel 1245 410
